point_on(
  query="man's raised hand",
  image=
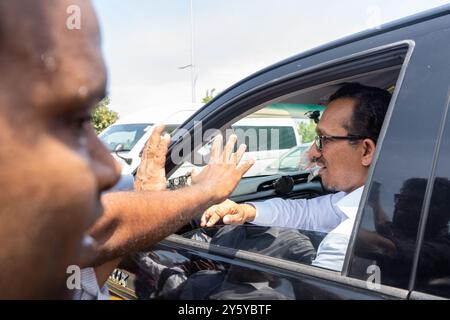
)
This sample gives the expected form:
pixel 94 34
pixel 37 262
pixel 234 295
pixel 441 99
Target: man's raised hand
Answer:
pixel 151 175
pixel 223 172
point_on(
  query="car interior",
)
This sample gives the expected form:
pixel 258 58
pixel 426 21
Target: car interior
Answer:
pixel 297 186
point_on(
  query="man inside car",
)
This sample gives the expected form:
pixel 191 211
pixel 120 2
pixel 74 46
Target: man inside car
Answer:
pixel 344 148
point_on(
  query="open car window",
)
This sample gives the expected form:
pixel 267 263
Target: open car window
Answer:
pixel 279 134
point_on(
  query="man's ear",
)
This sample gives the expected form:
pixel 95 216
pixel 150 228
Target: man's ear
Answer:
pixel 368 152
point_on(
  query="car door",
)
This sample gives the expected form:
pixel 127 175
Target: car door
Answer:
pixel 190 264
pixel 396 201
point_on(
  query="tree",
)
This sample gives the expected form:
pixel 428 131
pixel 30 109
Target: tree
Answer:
pixel 103 117
pixel 307 130
pixel 209 96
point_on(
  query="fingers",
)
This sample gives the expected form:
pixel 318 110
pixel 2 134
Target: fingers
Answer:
pixel 210 217
pixel 156 134
pixel 228 150
pixel 236 157
pixel 216 149
pixel 162 148
pixel 205 217
pixel 155 137
pixel 228 214
pixel 233 219
pixel 227 155
pixel 153 142
pixel 213 219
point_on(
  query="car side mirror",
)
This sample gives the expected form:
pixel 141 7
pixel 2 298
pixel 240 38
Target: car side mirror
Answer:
pixel 119 148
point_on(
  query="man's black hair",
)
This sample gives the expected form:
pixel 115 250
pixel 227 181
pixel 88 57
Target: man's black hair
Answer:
pixel 371 104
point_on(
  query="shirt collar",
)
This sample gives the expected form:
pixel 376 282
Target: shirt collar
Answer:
pixel 350 203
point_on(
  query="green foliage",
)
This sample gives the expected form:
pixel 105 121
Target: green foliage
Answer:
pixel 103 117
pixel 209 96
pixel 307 131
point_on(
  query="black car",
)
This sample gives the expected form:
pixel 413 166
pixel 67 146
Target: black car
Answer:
pixel 408 180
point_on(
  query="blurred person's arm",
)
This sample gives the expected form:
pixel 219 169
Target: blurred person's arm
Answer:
pixel 133 221
pixel 150 176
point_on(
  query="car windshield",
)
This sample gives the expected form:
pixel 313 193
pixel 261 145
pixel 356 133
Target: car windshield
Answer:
pixel 126 134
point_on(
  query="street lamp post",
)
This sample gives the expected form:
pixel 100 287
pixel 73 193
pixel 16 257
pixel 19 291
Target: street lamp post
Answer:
pixel 192 53
pixel 192 65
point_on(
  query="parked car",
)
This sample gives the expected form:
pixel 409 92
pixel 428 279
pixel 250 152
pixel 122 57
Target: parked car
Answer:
pixel 292 162
pixel 410 58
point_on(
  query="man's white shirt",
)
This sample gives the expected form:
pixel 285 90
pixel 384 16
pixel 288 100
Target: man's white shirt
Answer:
pixel 90 290
pixel 333 214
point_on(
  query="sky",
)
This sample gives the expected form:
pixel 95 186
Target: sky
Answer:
pixel 145 42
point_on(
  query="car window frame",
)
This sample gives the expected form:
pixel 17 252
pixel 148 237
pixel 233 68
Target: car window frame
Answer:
pixel 278 266
pixel 445 124
pixel 387 120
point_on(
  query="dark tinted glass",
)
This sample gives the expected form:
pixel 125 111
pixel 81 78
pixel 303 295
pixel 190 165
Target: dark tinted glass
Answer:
pixel 433 274
pixel 391 215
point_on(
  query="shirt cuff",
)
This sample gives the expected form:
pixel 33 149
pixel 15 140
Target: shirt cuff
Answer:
pixel 263 216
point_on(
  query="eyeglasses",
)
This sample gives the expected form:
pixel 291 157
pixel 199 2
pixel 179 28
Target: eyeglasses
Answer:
pixel 319 140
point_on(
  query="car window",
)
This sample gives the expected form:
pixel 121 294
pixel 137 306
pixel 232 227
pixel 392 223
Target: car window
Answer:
pixel 386 240
pixel 277 136
pixel 433 271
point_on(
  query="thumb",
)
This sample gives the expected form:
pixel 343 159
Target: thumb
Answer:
pixel 244 167
pixel 233 219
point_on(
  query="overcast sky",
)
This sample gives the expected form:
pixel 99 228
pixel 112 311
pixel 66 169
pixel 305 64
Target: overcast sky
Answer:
pixel 146 41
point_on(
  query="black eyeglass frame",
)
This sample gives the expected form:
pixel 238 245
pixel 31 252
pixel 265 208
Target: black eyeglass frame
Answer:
pixel 318 139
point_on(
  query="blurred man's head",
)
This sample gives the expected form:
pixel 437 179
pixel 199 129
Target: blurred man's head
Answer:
pixel 349 127
pixel 53 167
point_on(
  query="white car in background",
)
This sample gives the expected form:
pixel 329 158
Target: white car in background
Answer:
pixel 267 139
pixel 292 162
pixel 274 137
pixel 126 138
